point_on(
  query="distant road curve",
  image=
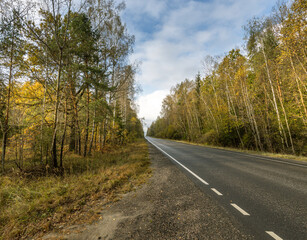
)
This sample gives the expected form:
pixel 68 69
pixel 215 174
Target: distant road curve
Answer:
pixel 268 195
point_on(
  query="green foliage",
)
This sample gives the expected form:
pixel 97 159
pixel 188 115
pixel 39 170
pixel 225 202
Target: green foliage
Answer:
pixel 71 87
pixel 256 102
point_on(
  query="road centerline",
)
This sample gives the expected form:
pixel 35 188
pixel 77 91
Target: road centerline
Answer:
pixel 194 174
pixel 240 209
pixel 274 235
pixel 217 192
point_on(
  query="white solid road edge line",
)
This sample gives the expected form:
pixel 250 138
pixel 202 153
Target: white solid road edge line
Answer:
pixel 239 209
pixel 216 191
pixel 195 175
pixel 274 235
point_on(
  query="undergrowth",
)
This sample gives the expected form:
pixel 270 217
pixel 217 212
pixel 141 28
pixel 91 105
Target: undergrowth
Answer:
pixel 30 206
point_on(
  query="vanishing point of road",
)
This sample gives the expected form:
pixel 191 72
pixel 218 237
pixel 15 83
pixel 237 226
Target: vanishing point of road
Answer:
pixel 268 195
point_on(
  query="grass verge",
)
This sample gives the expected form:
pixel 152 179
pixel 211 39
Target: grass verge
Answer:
pixel 32 206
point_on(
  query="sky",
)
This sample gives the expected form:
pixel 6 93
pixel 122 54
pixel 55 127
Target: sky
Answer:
pixel 174 36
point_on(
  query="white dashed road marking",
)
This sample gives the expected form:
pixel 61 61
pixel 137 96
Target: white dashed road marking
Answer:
pixel 239 209
pixel 216 191
pixel 274 235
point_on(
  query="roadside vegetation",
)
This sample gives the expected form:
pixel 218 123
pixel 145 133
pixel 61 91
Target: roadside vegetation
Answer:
pixel 254 101
pixel 33 202
pixel 68 124
pixel 66 85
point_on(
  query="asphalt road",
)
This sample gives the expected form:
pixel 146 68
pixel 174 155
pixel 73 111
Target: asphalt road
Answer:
pixel 267 195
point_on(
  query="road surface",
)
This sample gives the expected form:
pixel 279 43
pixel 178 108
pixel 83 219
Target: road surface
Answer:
pixel 267 195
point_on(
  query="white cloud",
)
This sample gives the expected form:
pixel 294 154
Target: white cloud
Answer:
pixel 187 31
pixel 150 105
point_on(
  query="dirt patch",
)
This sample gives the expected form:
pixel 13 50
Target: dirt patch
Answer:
pixel 170 206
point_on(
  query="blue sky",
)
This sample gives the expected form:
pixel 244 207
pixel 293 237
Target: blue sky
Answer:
pixel 174 36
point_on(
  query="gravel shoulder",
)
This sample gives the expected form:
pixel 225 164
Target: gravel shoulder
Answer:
pixel 169 206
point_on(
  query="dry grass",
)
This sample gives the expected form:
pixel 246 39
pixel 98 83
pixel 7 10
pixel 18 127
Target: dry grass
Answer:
pixel 266 154
pixel 31 206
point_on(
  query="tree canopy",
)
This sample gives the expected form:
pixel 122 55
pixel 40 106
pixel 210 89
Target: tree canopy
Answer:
pixel 66 83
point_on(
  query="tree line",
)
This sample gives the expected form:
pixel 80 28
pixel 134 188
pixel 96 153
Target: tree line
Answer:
pixel 65 81
pixel 252 101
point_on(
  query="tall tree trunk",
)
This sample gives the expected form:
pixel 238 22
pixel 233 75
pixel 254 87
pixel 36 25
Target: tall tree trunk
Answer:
pixel 42 122
pixel 251 115
pixel 211 114
pixel 93 132
pixel 56 110
pixel 78 138
pixel 299 89
pixel 234 111
pixel 75 135
pixel 301 63
pixel 105 130
pixel 4 141
pixel 280 126
pixel 7 114
pixel 72 135
pixel 286 118
pixel 100 130
pixel 43 108
pixel 87 122
pixel 267 120
pixel 61 46
pixel 63 136
pixel 215 94
pixel 77 130
pixel 73 105
pixel 188 119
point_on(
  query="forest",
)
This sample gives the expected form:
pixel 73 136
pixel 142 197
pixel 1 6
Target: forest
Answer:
pixel 251 98
pixel 66 85
pixel 70 135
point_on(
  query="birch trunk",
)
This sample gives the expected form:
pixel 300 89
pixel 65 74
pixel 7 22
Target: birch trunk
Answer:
pixel 280 127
